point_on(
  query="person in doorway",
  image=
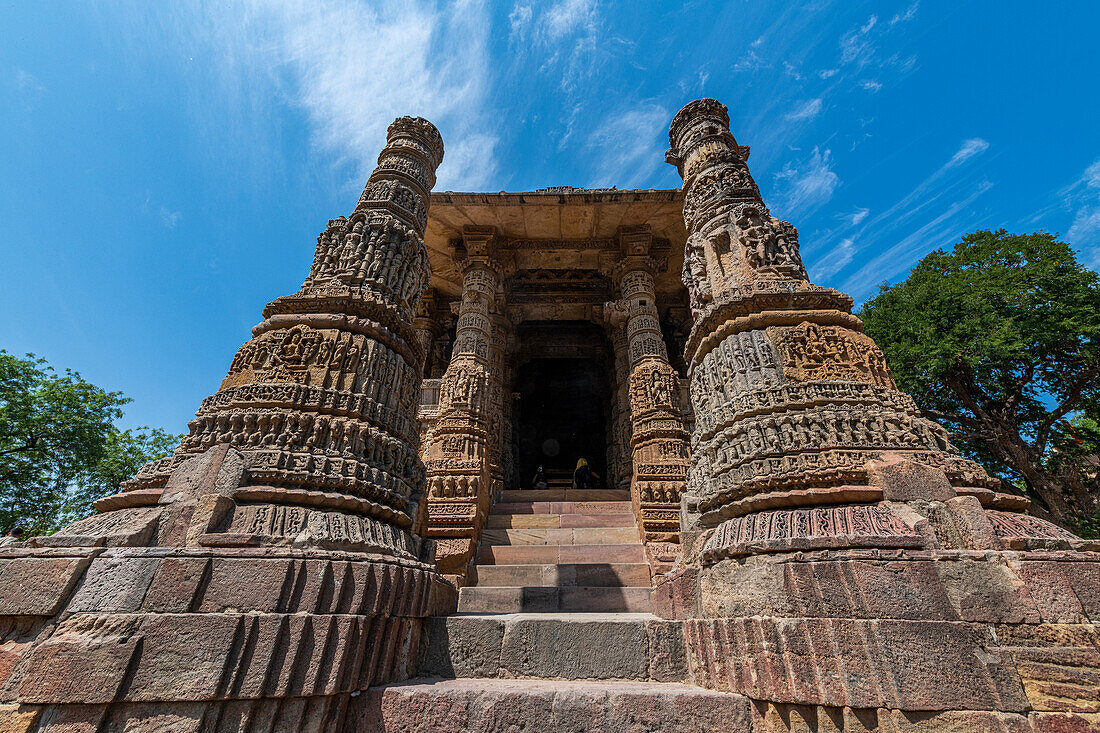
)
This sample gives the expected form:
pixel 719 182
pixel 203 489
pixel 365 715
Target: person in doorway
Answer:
pixel 539 481
pixel 583 476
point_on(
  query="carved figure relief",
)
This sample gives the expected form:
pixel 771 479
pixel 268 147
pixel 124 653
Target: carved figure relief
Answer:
pixel 811 352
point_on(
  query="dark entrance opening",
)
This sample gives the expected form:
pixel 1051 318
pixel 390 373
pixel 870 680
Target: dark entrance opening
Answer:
pixel 562 416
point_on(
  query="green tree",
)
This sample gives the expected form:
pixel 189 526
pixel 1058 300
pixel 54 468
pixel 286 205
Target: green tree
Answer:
pixel 59 446
pixel 999 340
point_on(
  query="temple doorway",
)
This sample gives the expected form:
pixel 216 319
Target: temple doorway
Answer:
pixel 561 415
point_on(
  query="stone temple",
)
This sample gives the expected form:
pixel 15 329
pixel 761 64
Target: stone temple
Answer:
pixel 350 537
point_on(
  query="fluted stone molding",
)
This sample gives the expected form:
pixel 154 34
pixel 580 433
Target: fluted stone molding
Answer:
pixel 458 456
pixel 658 441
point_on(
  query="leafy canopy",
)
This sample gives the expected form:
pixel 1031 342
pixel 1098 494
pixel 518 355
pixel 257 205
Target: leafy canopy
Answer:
pixel 999 339
pixel 59 446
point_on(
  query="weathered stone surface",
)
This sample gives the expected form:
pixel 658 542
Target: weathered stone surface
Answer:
pixel 461 646
pixel 489 706
pixel 38 586
pixel 114 584
pixel 560 648
pixel 906 665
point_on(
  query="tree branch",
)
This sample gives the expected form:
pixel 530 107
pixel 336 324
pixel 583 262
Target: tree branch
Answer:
pixel 1073 397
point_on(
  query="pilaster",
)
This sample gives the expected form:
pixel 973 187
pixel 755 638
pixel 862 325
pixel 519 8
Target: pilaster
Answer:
pixel 658 441
pixel 463 455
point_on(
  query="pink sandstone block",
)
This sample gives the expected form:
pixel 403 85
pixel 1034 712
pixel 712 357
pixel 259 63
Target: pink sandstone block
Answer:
pixel 38 586
pixel 597 520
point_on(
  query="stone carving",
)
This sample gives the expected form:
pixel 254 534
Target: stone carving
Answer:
pixel 805 529
pixel 289 511
pixel 464 454
pixel 765 342
pixel 810 352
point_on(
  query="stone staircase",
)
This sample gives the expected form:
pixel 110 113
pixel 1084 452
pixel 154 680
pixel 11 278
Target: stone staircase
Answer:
pixel 555 634
pixel 559 550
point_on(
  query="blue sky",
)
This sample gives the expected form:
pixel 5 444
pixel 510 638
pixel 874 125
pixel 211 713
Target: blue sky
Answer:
pixel 165 168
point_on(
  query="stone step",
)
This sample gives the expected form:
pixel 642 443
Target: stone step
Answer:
pixel 564 495
pixel 538 554
pixel 636 646
pixel 565 575
pixel 551 521
pixel 549 706
pixel 563 507
pixel 528 599
pixel 562 536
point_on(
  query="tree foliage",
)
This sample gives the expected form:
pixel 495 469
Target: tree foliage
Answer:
pixel 59 446
pixel 999 339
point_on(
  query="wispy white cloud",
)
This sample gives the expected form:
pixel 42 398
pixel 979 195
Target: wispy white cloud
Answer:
pixel 29 89
pixel 626 146
pixel 1082 199
pixel 805 110
pixel 28 83
pixel 871 85
pixel 935 213
pixel 751 61
pixel 856 46
pixel 939 231
pixel 806 188
pixel 967 150
pixel 170 219
pixel 358 66
pixel 563 38
pixel 834 260
pixel 907 15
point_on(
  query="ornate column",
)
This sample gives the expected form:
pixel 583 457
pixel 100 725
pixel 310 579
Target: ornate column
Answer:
pixel 427 327
pixel 791 399
pixel 621 347
pixel 281 535
pixel 458 454
pixel 658 442
pixel 828 526
pixel 500 431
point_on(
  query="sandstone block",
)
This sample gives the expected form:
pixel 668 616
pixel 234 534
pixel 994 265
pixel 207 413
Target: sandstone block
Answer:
pixel 182 656
pixel 114 584
pixel 905 480
pixel 38 586
pixel 461 646
pixel 545 706
pixel 176 584
pixel 566 648
pixel 247 584
pixel 986 590
pixel 84 662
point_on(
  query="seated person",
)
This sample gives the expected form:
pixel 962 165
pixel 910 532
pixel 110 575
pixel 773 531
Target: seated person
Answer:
pixel 584 477
pixel 539 481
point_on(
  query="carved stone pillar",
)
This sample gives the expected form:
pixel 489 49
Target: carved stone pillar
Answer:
pixel 427 327
pixel 500 431
pixel 658 441
pixel 621 346
pixel 824 511
pixel 281 535
pixel 458 456
pixel 791 399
